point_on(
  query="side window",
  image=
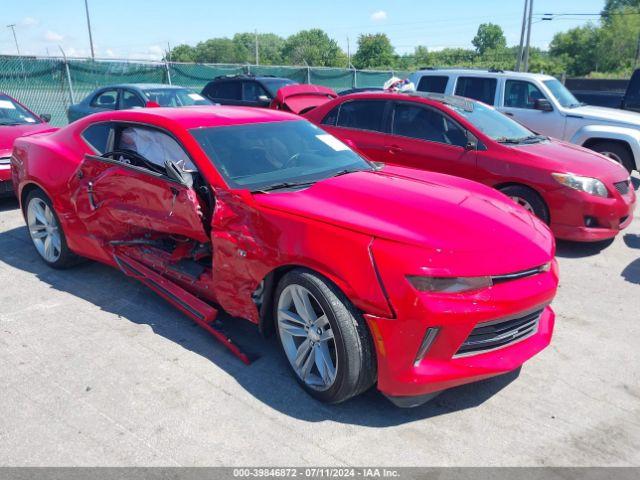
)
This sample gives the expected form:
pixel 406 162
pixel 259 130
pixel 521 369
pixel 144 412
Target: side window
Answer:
pixel 99 136
pixel 362 114
pixel 106 99
pixel 155 146
pixel 427 124
pixel 226 90
pixel 519 94
pixel 130 99
pixel 433 84
pixel 332 116
pixel 252 91
pixel 478 88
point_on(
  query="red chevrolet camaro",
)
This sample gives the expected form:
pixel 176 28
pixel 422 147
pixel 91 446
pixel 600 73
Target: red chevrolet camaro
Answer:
pixel 16 120
pixel 366 273
pixel 580 194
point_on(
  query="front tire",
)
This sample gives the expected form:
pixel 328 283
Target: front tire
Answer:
pixel 615 151
pixel 46 233
pixel 529 200
pixel 323 337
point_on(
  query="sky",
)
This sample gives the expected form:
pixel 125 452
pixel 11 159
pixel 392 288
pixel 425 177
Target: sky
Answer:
pixel 140 29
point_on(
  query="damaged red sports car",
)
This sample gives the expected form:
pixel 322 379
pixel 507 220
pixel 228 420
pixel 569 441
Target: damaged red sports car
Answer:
pixel 412 280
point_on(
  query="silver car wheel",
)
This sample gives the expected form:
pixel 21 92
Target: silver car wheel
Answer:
pixel 44 230
pixel 612 156
pixel 307 337
pixel 523 203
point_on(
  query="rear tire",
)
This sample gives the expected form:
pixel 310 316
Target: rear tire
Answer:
pixel 615 151
pixel 46 232
pixel 315 321
pixel 529 200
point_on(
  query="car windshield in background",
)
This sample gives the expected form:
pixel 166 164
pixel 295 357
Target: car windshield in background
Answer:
pixel 274 155
pixel 562 95
pixel 274 84
pixel 495 124
pixel 175 97
pixel 12 113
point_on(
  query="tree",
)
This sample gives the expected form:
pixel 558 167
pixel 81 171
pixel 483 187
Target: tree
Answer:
pixel 269 47
pixel 489 37
pixel 313 47
pixel 218 50
pixel 577 47
pixel 374 51
pixel 618 42
pixel 183 53
pixel 421 56
pixel 612 6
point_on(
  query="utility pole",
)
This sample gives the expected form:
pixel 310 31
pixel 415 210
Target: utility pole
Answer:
pixel 15 39
pixel 526 51
pixel 524 26
pixel 637 59
pixel 86 7
pixel 257 50
pixel 348 53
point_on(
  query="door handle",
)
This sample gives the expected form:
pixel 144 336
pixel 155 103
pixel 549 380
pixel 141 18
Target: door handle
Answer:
pixel 394 148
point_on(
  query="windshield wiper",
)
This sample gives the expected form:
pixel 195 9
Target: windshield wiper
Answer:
pixel 9 124
pixel 516 141
pixel 345 171
pixel 281 186
pixel 508 140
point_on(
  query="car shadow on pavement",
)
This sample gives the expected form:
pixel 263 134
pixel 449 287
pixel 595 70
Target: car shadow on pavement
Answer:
pixel 631 273
pixel 268 378
pixel 632 240
pixel 566 249
pixel 8 203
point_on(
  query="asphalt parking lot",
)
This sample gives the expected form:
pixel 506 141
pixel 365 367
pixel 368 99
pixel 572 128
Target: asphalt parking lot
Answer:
pixel 97 370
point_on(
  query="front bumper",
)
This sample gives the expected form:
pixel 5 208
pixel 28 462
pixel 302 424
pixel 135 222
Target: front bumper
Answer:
pixel 398 340
pixel 570 210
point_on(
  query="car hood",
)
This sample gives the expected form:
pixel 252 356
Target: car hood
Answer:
pixel 429 211
pixel 608 115
pixel 8 133
pixel 563 157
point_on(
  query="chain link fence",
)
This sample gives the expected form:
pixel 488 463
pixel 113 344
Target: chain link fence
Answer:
pixel 50 85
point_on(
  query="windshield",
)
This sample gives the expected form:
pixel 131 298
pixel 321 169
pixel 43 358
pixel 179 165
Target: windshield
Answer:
pixel 562 95
pixel 274 84
pixel 262 155
pixel 175 97
pixel 12 113
pixel 493 123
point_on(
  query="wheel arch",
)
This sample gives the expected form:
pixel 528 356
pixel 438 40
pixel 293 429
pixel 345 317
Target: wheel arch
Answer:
pixel 503 185
pixel 591 142
pixel 26 190
pixel 591 134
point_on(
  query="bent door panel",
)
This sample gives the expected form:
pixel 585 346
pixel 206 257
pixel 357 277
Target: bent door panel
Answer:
pixel 116 201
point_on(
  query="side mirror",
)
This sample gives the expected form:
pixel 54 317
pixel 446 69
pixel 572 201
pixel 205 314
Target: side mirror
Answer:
pixel 472 142
pixel 46 117
pixel 264 100
pixel 176 173
pixel 543 105
pixel 151 104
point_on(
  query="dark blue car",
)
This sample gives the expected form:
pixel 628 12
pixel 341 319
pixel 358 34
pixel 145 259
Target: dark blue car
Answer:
pixel 134 95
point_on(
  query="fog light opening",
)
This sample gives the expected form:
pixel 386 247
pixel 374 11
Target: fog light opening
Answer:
pixel 427 341
pixel 591 222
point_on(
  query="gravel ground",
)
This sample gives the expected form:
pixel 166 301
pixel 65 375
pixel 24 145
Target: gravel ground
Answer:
pixel 97 370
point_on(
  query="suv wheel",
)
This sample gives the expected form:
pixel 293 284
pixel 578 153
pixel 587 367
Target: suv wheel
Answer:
pixel 615 151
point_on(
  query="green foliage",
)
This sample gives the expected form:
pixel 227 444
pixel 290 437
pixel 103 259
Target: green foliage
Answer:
pixel 489 37
pixel 576 48
pixel 374 51
pixel 313 47
pixel 614 6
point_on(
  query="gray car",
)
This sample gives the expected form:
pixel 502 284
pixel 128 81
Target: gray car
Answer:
pixel 134 95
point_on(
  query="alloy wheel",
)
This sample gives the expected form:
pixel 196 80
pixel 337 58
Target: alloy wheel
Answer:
pixel 524 204
pixel 44 230
pixel 307 337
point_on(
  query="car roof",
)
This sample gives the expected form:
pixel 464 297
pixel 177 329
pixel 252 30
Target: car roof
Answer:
pixel 420 97
pixel 195 116
pixel 244 76
pixel 144 86
pixel 484 73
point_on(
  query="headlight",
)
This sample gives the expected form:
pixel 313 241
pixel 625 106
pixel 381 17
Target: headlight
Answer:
pixel 584 184
pixel 448 284
pixel 5 160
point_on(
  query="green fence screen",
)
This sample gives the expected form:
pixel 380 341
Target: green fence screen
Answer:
pixel 50 85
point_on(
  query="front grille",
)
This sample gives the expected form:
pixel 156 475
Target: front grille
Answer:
pixel 622 187
pixel 492 335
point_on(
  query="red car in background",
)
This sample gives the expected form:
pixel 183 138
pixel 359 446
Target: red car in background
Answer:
pixel 16 120
pixel 367 274
pixel 580 194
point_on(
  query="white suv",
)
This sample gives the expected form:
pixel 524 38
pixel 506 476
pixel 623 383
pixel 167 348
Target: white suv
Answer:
pixel 544 105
